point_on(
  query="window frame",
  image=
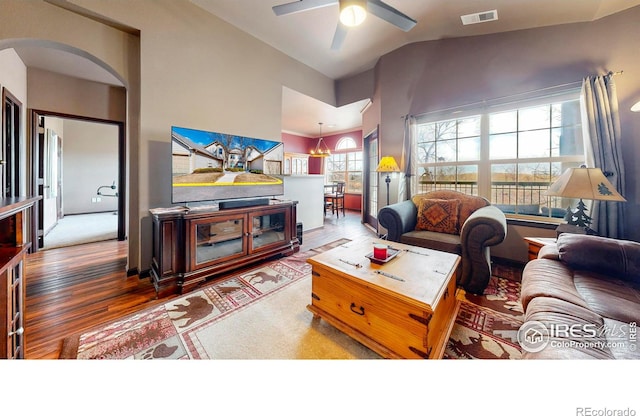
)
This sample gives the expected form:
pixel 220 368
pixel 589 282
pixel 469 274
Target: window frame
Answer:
pixel 345 143
pixel 348 187
pixel 484 163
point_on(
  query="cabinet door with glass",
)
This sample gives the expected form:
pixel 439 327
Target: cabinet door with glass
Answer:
pixel 12 304
pixel 296 164
pixel 217 238
pixel 269 228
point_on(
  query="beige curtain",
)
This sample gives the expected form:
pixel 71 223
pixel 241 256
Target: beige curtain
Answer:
pixel 406 163
pixel 602 135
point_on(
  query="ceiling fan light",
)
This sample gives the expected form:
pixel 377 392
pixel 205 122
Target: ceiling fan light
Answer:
pixel 352 13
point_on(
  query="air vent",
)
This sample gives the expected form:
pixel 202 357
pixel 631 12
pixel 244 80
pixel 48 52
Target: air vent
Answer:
pixel 469 19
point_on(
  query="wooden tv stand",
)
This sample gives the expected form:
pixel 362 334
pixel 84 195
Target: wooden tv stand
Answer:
pixel 193 245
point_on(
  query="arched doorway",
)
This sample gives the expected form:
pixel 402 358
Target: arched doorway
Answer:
pixel 96 80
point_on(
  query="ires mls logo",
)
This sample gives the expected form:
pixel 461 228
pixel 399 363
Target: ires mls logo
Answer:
pixel 534 336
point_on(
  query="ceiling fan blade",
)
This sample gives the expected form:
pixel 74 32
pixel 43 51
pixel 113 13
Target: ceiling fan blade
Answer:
pixel 301 6
pixel 338 37
pixel 391 15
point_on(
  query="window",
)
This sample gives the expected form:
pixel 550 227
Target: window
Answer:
pixel 346 143
pixel 509 155
pixel 345 167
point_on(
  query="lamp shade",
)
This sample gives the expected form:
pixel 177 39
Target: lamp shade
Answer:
pixel 636 107
pixel 353 12
pixel 585 183
pixel 387 164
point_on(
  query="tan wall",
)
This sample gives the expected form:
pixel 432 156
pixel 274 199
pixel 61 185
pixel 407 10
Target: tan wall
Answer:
pixel 198 71
pixel 37 23
pixel 62 94
pixel 187 68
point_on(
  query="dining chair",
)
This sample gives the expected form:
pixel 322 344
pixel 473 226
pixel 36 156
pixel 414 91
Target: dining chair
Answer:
pixel 329 190
pixel 336 199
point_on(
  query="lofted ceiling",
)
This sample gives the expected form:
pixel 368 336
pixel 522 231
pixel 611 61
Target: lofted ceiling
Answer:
pixel 306 36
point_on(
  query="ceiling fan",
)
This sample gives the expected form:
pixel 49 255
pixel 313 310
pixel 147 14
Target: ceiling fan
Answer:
pixel 352 13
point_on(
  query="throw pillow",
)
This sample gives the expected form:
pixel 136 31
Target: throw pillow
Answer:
pixel 468 203
pixel 607 256
pixel 439 215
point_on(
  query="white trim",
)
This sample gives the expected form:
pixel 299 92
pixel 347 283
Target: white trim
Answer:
pixel 563 92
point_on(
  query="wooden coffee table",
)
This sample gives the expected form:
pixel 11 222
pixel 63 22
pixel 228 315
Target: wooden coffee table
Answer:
pixel 404 308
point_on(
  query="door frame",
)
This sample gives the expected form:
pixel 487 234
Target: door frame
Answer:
pixel 10 154
pixel 37 187
pixel 367 218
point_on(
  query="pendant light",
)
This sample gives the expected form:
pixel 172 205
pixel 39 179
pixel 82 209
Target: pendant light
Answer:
pixel 319 151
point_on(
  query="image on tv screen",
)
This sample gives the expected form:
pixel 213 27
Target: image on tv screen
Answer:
pixel 211 166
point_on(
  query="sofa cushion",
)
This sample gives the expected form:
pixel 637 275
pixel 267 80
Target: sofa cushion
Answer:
pixel 433 240
pixel 615 258
pixel 439 215
pixel 558 316
pixel 551 279
pixel 610 298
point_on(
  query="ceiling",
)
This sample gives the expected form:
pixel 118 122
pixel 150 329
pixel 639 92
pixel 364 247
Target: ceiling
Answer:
pixel 306 36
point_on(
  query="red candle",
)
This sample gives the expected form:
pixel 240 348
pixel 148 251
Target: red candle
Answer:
pixel 380 251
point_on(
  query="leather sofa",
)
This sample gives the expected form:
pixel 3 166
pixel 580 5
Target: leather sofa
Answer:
pixel 480 225
pixel 583 295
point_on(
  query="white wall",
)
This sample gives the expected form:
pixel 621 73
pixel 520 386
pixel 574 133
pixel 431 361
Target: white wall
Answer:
pixel 89 160
pixel 52 126
pixel 13 77
pixel 308 190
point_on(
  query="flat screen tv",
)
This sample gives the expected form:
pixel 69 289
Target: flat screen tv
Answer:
pixel 211 166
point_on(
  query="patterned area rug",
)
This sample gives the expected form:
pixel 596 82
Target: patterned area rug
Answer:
pixel 165 331
pixel 196 325
pixel 487 325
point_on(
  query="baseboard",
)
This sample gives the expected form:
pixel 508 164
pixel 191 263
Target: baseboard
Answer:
pixel 145 274
pixel 508 262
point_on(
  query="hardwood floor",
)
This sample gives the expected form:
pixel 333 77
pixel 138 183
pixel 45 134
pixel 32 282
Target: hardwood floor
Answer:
pixel 72 289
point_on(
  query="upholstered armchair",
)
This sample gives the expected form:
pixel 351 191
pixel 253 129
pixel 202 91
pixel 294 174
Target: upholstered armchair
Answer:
pixel 450 221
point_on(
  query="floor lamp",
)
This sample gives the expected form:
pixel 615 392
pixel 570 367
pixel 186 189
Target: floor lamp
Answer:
pixel 387 165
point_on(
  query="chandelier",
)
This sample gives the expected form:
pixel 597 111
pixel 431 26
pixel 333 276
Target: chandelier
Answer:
pixel 319 151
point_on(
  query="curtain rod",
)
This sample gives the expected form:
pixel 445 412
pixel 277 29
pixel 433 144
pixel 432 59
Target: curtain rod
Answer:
pixel 489 101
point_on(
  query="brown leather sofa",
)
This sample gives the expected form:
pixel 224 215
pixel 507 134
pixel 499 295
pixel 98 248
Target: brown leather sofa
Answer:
pixel 477 226
pixel 581 298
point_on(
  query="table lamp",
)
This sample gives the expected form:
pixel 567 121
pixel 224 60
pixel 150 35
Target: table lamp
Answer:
pixel 387 165
pixel 583 183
